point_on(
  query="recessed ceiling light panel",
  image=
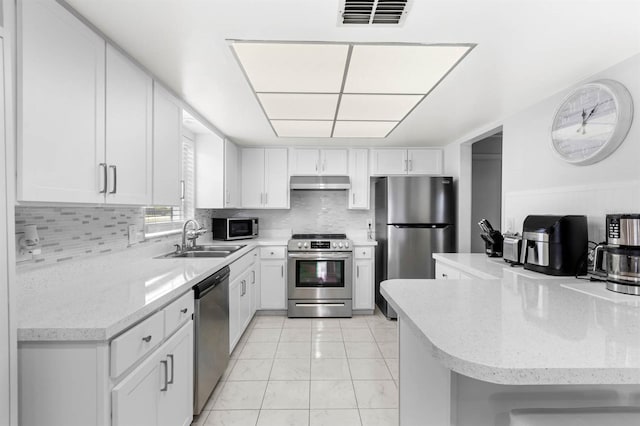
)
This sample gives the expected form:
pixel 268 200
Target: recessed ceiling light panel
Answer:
pixel 363 129
pixel 400 68
pixel 342 89
pixel 293 67
pixel 302 128
pixel 297 106
pixel 376 107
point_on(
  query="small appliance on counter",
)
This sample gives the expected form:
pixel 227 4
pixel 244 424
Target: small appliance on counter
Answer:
pixel 492 239
pixel 555 245
pixel 619 263
pixel 512 248
pixel 234 228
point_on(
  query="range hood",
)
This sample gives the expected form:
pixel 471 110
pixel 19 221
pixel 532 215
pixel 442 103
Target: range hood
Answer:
pixel 320 182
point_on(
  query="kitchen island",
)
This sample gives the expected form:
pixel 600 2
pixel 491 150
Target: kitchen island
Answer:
pixel 472 350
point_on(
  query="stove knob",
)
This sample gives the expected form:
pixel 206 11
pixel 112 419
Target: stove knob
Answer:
pixel 305 245
pixel 335 245
pixel 340 245
pixel 299 245
pixel 346 245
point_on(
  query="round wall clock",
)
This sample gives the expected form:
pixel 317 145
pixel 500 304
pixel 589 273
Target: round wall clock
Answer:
pixel 591 122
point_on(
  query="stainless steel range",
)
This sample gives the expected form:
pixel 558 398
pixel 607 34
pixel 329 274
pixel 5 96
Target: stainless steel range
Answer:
pixel 320 278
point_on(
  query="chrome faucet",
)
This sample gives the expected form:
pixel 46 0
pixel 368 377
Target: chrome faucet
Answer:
pixel 189 237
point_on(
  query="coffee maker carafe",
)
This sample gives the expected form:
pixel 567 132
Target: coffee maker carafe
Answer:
pixel 620 259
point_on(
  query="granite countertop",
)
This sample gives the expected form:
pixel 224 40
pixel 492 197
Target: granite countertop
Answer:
pixel 97 298
pixel 482 266
pixel 520 330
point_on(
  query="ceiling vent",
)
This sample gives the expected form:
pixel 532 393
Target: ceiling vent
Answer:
pixel 373 12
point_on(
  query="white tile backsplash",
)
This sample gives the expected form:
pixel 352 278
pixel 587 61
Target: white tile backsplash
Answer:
pixel 311 211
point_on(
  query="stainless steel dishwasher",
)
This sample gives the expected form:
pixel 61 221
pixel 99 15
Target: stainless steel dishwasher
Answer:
pixel 211 322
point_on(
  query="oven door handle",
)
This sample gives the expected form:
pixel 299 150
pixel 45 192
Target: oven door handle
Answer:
pixel 319 256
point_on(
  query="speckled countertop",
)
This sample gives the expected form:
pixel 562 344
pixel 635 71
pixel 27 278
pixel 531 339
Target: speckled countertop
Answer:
pixel 97 298
pixel 521 330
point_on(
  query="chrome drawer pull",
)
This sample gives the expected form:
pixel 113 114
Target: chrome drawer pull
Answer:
pixel 147 338
pixel 170 356
pixel 184 311
pixel 166 376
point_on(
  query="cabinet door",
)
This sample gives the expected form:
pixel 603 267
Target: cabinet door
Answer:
pixel 363 288
pixel 128 131
pixel 276 178
pixel 253 177
pixel 425 161
pixel 176 403
pixel 235 293
pixel 210 171
pixel 273 289
pixel 245 301
pixel 305 162
pixel 167 148
pixel 135 400
pixel 389 162
pixel 60 106
pixel 231 175
pixel 334 162
pixel 359 175
pixel 255 286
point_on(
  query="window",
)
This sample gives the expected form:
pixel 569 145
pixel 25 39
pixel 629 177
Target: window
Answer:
pixel 162 220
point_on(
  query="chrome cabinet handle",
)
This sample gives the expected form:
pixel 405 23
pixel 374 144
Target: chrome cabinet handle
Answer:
pixel 406 165
pixel 444 275
pixel 103 190
pixel 253 279
pixel 316 166
pixel 147 338
pixel 227 196
pixel 115 179
pixel 170 381
pixel 182 189
pixel 166 376
pixel 354 198
pixel 266 198
pixel 184 310
pixel 410 165
pixel 282 270
pixel 324 165
pixel 358 271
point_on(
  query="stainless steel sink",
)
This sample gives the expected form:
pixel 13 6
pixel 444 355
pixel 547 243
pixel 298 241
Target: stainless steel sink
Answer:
pixel 204 251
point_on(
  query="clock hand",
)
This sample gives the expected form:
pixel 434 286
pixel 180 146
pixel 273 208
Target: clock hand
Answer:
pixel 591 113
pixel 584 114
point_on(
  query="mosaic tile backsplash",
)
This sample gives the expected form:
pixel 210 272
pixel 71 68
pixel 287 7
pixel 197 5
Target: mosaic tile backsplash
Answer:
pixel 311 211
pixel 73 232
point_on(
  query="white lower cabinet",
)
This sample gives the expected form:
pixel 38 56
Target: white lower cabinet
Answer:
pixel 160 390
pixel 363 282
pixel 240 302
pixel 273 278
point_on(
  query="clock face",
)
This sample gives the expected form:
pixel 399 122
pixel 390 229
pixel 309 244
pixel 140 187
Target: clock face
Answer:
pixel 588 125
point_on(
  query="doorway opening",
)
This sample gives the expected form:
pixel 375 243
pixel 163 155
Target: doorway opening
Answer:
pixel 486 186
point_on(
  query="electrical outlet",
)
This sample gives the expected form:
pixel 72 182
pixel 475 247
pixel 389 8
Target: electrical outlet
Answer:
pixel 133 234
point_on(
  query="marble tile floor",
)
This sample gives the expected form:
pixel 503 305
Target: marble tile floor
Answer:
pixel 309 372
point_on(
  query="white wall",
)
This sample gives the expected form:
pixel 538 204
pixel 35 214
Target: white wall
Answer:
pixel 536 181
pixel 486 187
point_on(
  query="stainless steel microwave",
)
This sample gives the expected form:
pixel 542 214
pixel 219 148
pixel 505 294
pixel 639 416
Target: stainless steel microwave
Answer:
pixel 234 228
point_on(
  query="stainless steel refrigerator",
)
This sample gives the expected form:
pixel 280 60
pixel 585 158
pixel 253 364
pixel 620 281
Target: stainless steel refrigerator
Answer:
pixel 415 217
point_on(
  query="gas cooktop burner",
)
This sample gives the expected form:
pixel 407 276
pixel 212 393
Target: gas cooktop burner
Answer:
pixel 319 236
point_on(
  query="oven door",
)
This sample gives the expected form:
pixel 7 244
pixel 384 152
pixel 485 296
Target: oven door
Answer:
pixel 320 275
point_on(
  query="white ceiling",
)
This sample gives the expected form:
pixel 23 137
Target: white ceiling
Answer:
pixel 527 50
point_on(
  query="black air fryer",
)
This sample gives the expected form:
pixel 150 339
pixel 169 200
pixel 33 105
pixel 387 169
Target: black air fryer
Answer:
pixel 555 245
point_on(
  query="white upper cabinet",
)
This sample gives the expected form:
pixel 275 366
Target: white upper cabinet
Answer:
pixel 419 161
pixel 129 109
pixel 167 148
pixel 265 182
pixel 231 175
pixel 359 176
pixel 210 169
pixel 311 162
pixel 61 106
pixel 425 161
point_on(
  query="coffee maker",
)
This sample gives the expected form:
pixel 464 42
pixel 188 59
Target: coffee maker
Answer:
pixel 555 245
pixel 620 259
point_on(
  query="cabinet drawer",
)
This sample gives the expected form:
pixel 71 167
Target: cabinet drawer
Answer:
pixel 445 272
pixel 135 343
pixel 177 313
pixel 272 252
pixel 363 252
